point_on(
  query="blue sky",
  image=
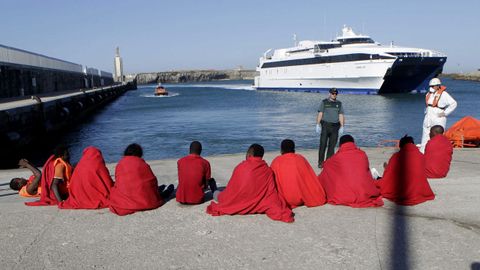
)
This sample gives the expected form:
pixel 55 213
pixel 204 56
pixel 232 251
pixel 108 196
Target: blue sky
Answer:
pixel 171 35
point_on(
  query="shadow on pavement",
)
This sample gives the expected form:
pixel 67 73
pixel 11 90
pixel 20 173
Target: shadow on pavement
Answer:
pixel 8 194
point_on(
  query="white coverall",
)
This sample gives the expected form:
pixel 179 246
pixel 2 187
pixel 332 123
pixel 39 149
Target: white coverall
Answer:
pixel 446 104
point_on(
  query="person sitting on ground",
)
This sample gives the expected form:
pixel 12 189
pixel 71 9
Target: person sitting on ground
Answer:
pixel 404 180
pixel 136 187
pixel 296 180
pixel 438 154
pixel 194 174
pixel 251 190
pixel 27 187
pixel 346 177
pixel 90 184
pixel 55 180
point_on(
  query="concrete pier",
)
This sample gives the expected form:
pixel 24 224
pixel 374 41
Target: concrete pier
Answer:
pixel 439 234
pixel 26 121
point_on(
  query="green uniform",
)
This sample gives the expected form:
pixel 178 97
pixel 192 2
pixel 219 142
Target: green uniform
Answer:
pixel 330 125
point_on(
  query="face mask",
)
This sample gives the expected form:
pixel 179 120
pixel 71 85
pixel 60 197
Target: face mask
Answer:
pixel 431 90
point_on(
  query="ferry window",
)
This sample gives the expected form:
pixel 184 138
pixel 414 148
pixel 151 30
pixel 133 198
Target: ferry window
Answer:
pixel 325 47
pixel 355 40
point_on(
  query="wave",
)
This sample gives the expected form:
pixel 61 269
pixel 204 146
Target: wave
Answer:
pixel 150 95
pixel 247 87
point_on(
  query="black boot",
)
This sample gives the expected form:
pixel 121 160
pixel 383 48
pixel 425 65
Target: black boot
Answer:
pixel 168 191
pixel 212 185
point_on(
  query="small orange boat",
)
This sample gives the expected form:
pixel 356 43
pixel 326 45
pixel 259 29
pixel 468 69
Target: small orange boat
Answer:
pixel 160 91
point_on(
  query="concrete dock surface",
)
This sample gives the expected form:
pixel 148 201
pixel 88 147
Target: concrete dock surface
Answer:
pixel 439 234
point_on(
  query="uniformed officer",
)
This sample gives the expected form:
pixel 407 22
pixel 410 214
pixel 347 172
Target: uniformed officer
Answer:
pixel 330 122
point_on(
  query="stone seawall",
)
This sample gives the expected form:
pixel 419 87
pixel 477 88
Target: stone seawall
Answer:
pixel 194 76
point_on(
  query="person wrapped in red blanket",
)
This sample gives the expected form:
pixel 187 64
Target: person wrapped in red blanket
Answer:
pixel 194 174
pixel 91 182
pixel 404 180
pixel 55 180
pixel 296 180
pixel 346 177
pixel 438 154
pixel 136 187
pixel 251 190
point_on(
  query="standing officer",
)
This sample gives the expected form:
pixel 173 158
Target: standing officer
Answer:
pixel 330 121
pixel 439 105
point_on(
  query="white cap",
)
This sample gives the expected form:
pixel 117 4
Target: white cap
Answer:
pixel 435 81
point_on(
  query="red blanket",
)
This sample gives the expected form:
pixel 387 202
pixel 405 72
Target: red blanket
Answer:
pixel 90 183
pixel 193 171
pixel 404 180
pixel 47 197
pixel 438 155
pixel 135 188
pixel 296 181
pixel 251 190
pixel 347 180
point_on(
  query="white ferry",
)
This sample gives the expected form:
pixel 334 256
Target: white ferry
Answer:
pixel 352 63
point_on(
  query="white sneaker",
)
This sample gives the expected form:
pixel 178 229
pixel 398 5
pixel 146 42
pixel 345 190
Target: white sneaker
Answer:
pixel 374 173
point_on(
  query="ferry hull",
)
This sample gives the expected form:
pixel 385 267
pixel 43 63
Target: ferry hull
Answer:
pixel 411 74
pixel 363 77
pixel 403 76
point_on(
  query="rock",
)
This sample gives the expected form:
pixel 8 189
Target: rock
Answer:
pixel 194 76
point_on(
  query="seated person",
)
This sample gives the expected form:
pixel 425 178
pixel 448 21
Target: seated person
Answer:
pixel 55 179
pixel 30 187
pixel 90 184
pixel 251 190
pixel 438 154
pixel 404 180
pixel 136 187
pixel 194 174
pixel 296 181
pixel 346 177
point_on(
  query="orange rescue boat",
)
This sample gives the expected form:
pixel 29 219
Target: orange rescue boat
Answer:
pixel 465 133
pixel 160 91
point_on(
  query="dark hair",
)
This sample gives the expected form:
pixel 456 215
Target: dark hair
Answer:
pixel 196 148
pixel 287 146
pixel 256 150
pixel 60 151
pixel 346 138
pixel 15 184
pixel 437 129
pixel 405 140
pixel 133 150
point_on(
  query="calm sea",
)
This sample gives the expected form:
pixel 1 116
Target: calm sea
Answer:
pixel 228 116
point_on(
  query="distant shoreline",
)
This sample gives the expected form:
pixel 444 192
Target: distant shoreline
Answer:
pixel 473 76
pixel 182 76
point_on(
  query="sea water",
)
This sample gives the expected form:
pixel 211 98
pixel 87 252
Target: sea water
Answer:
pixel 228 116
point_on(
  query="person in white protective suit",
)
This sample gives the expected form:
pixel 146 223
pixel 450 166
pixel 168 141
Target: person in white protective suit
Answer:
pixel 439 105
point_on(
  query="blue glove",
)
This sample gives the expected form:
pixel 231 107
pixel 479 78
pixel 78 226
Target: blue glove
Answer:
pixel 318 129
pixel 340 131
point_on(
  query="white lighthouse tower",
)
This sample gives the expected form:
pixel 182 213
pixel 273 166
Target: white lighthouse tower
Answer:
pixel 118 65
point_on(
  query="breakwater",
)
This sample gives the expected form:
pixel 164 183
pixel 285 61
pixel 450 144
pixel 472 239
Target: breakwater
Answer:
pixel 26 124
pixel 194 76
